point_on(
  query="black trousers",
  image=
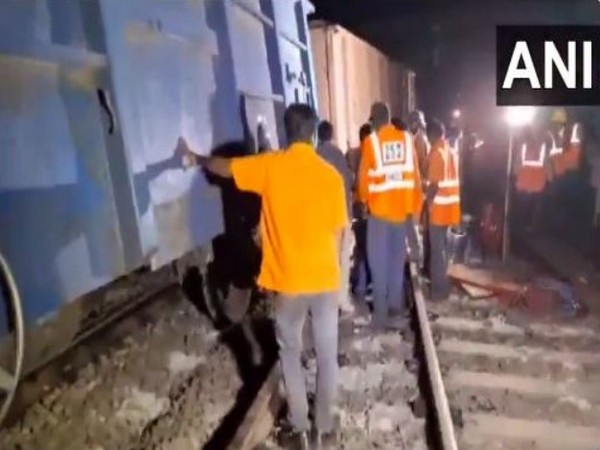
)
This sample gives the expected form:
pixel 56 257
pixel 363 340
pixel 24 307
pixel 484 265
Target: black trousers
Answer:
pixel 426 240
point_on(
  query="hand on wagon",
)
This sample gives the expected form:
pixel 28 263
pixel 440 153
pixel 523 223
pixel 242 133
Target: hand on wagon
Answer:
pixel 216 165
pixel 187 156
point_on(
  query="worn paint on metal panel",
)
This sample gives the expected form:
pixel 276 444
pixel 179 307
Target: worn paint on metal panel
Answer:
pixel 165 85
pixel 59 225
pixel 286 67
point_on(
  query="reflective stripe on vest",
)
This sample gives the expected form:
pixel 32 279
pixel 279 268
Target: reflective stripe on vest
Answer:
pixel 573 140
pixel 533 162
pixel 575 135
pixel 444 200
pixel 394 170
pixel 450 181
pixel 555 150
pixel 454 146
pixel 388 185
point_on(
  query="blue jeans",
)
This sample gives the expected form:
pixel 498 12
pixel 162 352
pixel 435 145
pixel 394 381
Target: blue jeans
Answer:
pixel 386 249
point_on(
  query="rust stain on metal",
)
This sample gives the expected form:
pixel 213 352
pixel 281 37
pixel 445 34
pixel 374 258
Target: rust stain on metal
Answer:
pixel 24 80
pixel 85 78
pixel 142 33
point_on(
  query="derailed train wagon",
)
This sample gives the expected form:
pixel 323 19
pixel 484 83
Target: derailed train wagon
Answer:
pixel 350 74
pixel 93 97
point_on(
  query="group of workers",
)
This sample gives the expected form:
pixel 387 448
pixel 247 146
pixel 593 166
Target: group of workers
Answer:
pixel 405 182
pixel 309 193
pixel 543 154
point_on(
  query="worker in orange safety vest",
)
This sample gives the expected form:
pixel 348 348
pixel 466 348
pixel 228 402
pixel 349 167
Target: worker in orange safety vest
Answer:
pixel 555 141
pixel 389 186
pixel 531 178
pixel 531 172
pixel 443 202
pixel 572 152
pixel 565 143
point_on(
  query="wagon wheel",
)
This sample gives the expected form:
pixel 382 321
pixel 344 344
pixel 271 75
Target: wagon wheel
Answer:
pixel 10 376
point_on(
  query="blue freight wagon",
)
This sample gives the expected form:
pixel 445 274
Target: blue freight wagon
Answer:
pixel 93 97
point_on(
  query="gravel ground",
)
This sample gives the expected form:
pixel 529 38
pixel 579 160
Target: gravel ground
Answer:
pixel 562 390
pixel 168 386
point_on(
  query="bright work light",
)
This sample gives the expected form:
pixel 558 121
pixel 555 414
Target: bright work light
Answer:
pixel 518 116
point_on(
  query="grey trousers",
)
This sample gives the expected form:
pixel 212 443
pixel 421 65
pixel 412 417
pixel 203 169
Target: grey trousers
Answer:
pixel 347 247
pixel 386 251
pixel 290 317
pixel 438 263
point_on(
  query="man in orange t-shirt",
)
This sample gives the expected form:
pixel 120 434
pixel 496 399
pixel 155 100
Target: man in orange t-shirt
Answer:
pixel 303 214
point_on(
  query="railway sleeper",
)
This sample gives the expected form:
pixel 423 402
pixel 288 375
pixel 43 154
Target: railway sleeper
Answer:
pixel 518 385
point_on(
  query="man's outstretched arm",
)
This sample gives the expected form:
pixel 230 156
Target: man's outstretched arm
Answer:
pixel 248 172
pixel 214 164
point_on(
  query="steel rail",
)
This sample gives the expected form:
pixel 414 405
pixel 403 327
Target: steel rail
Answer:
pixel 440 399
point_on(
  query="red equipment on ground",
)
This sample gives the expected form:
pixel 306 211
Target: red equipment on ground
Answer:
pixel 490 230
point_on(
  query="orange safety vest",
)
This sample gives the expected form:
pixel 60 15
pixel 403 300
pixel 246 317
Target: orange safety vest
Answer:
pixel 572 154
pixel 445 210
pixel 531 174
pixel 556 154
pixel 389 181
pixel 566 159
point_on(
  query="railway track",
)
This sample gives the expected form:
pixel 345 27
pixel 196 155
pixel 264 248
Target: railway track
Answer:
pixel 517 386
pixel 483 383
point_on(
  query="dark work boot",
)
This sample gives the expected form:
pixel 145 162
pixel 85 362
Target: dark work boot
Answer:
pixel 399 322
pixel 324 441
pixel 301 441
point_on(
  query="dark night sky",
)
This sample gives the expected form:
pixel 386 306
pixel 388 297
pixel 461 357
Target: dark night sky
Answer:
pixel 460 32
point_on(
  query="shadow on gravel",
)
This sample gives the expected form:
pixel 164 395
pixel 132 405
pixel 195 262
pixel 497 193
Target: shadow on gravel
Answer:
pixel 241 319
pixel 236 339
pixel 253 378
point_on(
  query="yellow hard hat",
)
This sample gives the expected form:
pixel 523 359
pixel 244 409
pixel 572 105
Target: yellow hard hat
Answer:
pixel 559 116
